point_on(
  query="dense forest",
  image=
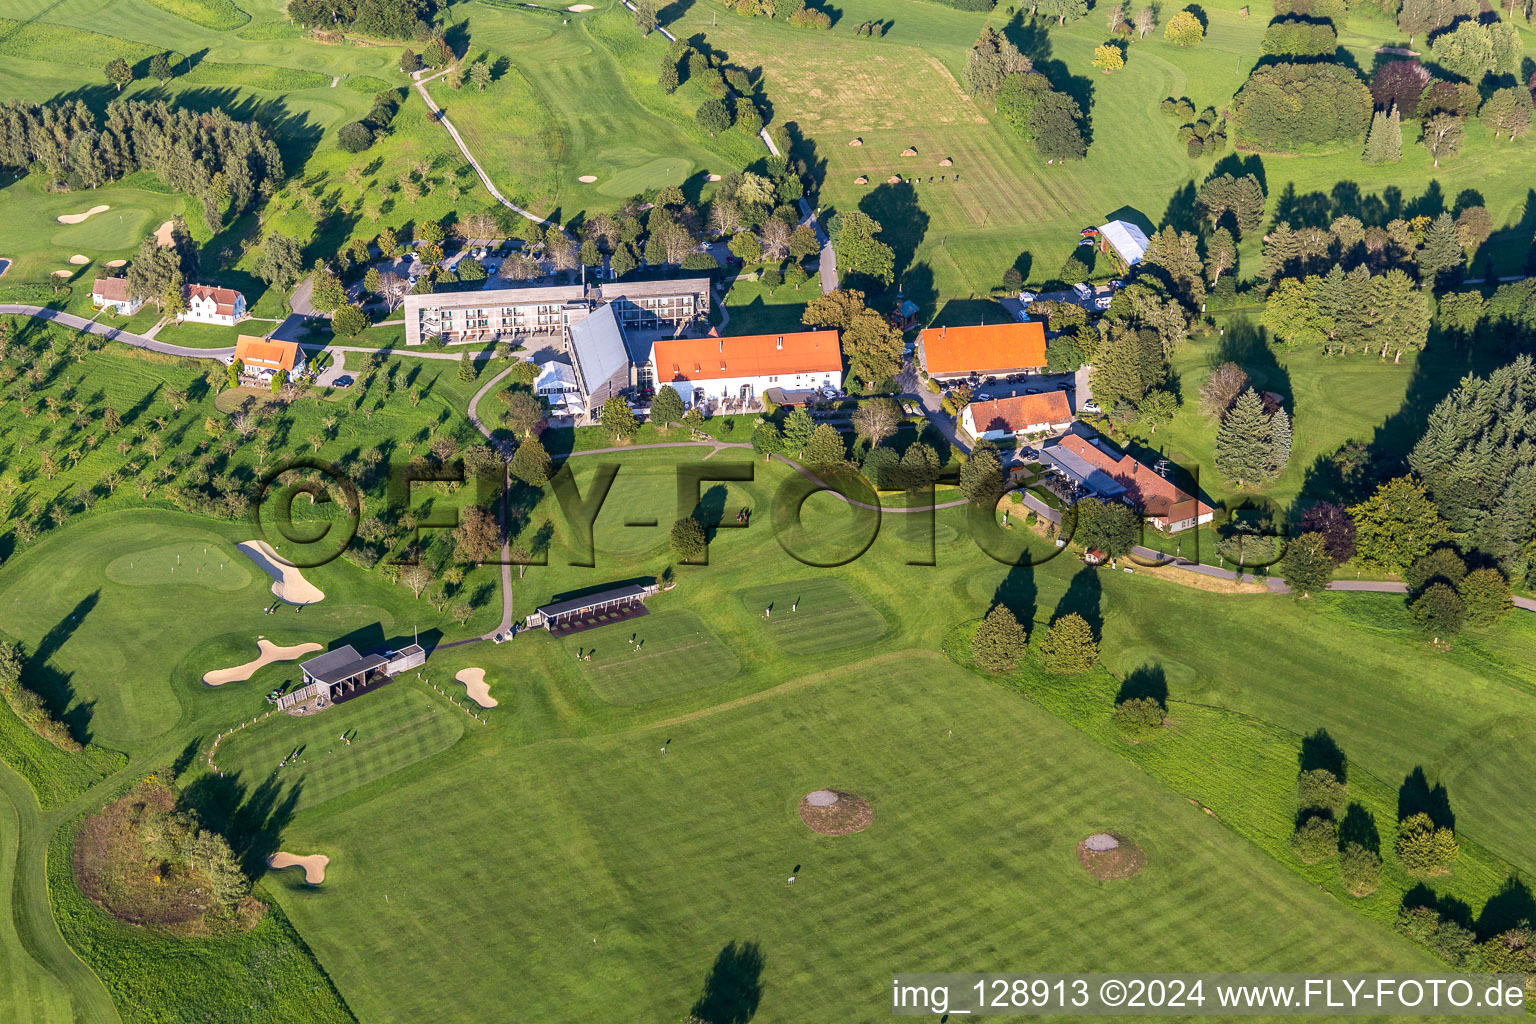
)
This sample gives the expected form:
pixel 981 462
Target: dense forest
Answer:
pixel 388 19
pixel 226 164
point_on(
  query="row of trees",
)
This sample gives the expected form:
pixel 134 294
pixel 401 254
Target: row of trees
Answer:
pixel 1432 249
pixel 996 70
pixel 1356 311
pixel 386 19
pixel 227 164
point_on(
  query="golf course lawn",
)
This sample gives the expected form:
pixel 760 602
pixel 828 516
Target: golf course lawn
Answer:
pixel 674 652
pixel 604 859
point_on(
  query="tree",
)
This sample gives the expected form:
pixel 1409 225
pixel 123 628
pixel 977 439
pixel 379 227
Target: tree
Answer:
pixel 803 243
pixel 1307 567
pixel 1069 648
pixel 354 136
pixel 1318 789
pixel 1055 124
pixel 1359 869
pixel 1064 9
pixel 467 369
pixel 1242 197
pixel 1221 389
pixel 858 249
pixel 373 281
pixel 981 475
pixel 1397 524
pixel 480 74
pixel 619 419
pixel 470 269
pixel 1420 17
pixel 992 58
pixel 1220 255
pixel 919 468
pixel 1438 612
pixel 160 68
pixel 524 411
pixel 1000 640
pixel 645 17
pixel 1507 112
pixel 713 116
pixel 280 261
pixel 872 347
pixel 876 419
pixel 1485 597
pixel 1315 839
pixel 417 577
pixel 1384 142
pixel 767 439
pixel 668 77
pixel 667 406
pixel 531 463
pixel 1424 848
pixel 1336 528
pixel 798 427
pixel 689 541
pixel 119 73
pixel 1244 452
pixel 1109 527
pixel 1472 49
pixel 1441 257
pixel 745 246
pixel 1442 135
pixel 1146 21
pixel 410 62
pixel 1108 58
pixel 1184 29
pixel 279 380
pixel 1139 716
pixel 1298 106
pixel 477 538
pixel 348 321
pixel 825 448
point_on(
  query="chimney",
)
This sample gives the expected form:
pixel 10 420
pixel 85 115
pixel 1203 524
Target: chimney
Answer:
pixel 722 346
pixel 781 343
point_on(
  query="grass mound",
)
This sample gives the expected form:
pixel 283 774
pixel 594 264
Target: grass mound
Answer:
pixel 1110 857
pixel 215 14
pixel 255 76
pixel 835 813
pixel 366 84
pixel 676 653
pixel 815 615
pixel 390 729
pixel 41 40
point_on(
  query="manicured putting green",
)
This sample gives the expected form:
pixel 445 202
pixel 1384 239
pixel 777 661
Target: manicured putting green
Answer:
pixel 676 654
pixel 389 729
pixel 654 173
pixel 118 228
pixel 214 566
pixel 814 615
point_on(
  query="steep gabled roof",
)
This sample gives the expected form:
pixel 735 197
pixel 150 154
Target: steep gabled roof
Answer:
pixel 748 355
pixel 984 348
pixel 1021 411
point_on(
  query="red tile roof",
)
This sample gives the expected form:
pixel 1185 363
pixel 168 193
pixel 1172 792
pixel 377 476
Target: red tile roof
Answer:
pixel 265 353
pixel 223 298
pixel 1021 411
pixel 986 348
pixel 1157 496
pixel 751 355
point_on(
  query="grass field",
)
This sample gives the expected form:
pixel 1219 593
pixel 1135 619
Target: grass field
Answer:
pixel 675 653
pixel 814 615
pixel 392 729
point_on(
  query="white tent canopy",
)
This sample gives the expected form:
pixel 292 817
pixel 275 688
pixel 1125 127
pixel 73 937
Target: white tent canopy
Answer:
pixel 1128 240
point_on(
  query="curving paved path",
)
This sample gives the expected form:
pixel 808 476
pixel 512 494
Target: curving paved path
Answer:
pixel 111 333
pixel 506 543
pixel 485 179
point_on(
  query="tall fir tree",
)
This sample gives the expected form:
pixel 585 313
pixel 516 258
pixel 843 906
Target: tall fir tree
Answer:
pixel 1279 441
pixel 1244 449
pixel 1441 257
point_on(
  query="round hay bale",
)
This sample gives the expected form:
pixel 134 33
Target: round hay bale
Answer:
pixel 909 151
pixel 835 813
pixel 856 142
pixel 894 179
pixel 1110 857
pixel 946 162
pixel 861 180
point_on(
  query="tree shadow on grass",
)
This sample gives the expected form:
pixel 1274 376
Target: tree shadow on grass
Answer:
pixel 1359 827
pixel 1416 796
pixel 1319 750
pixel 734 986
pixel 1083 597
pixel 252 820
pixel 1147 681
pixel 1511 907
pixel 54 686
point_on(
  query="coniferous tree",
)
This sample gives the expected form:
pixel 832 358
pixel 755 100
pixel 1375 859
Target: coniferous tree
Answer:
pixel 1279 441
pixel 1000 640
pixel 1244 447
pixel 1384 143
pixel 1441 256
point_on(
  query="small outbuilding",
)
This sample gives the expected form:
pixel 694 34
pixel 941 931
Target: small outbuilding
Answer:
pixel 1126 240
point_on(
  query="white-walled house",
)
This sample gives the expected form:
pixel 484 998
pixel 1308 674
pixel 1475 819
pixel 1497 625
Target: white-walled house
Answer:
pixel 112 293
pixel 209 304
pixel 713 368
pixel 1017 416
pixel 262 358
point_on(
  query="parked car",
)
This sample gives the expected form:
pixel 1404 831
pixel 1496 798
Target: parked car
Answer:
pixel 1032 391
pixel 1026 298
pixel 343 381
pixel 1023 316
pixel 1064 386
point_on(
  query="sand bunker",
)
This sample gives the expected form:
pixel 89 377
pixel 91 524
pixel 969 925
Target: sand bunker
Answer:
pixel 79 260
pixel 313 865
pixel 578 8
pixel 1110 857
pixel 163 233
pixel 63 273
pixel 835 813
pixel 288 583
pixel 587 179
pixel 475 685
pixel 117 263
pixel 76 218
pixel 714 177
pixel 270 652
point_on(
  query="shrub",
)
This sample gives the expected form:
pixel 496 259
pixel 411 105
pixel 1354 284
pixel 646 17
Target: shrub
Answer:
pixel 1068 647
pixel 1485 597
pixel 1184 29
pixel 1438 611
pixel 688 539
pixel 1315 839
pixel 1446 938
pixel 1319 789
pixel 1139 716
pixel 1000 641
pixel 354 137
pixel 1422 847
pixel 1359 869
